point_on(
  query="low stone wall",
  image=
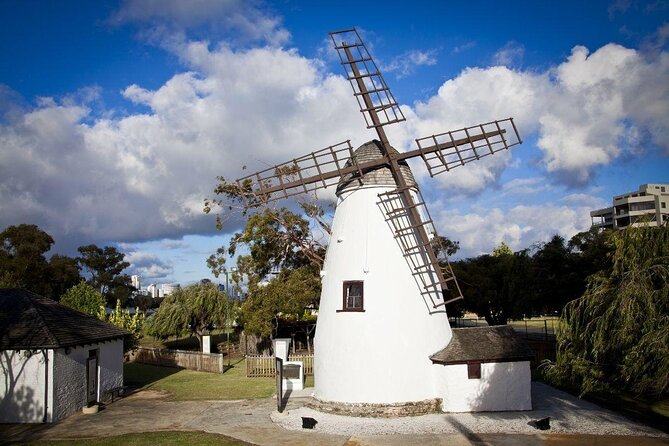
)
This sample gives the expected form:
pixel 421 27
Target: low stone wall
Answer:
pixel 407 409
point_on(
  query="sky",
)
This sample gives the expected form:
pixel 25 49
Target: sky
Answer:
pixel 116 117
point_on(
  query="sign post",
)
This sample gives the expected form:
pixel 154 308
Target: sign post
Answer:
pixel 279 384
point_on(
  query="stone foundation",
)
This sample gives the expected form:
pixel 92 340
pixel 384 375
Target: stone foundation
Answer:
pixel 406 409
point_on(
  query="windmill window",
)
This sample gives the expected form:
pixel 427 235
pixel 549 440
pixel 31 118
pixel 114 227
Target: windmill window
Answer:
pixel 474 370
pixel 353 296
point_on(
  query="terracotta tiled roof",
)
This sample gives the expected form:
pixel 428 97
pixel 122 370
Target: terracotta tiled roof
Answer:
pixel 487 344
pixel 379 176
pixel 29 321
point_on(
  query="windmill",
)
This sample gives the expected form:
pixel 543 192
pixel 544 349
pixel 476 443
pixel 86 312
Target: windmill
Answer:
pixel 384 289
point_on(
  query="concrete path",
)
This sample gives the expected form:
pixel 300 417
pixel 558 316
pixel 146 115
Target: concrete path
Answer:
pixel 249 420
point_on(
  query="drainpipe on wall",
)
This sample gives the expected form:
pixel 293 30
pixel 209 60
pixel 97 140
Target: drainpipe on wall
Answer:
pixel 46 384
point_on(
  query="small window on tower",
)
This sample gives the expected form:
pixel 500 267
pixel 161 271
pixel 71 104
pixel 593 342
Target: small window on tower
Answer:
pixel 353 296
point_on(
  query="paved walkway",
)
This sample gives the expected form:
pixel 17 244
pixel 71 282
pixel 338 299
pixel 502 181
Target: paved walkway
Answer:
pixel 249 420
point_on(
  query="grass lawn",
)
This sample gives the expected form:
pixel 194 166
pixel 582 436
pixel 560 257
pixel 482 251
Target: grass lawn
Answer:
pixel 186 385
pixel 152 439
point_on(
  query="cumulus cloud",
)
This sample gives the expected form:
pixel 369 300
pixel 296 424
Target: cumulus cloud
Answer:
pixel 588 111
pixel 148 266
pixel 145 175
pixel 86 176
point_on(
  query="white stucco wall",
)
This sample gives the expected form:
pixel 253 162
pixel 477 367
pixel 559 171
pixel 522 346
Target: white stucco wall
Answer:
pixel 380 355
pixel 22 392
pixel 70 374
pixel 504 386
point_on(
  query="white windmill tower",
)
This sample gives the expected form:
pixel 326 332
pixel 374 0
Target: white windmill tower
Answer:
pixel 382 309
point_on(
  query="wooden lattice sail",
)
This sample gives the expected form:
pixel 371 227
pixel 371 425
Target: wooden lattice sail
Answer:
pixel 405 210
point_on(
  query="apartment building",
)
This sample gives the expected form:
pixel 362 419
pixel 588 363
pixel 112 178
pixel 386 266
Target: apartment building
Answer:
pixel 649 205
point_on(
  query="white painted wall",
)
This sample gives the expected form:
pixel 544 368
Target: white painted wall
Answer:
pixel 111 366
pixel 70 375
pixel 503 386
pixel 380 355
pixel 22 392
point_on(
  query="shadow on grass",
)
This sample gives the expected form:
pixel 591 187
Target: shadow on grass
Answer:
pixel 136 375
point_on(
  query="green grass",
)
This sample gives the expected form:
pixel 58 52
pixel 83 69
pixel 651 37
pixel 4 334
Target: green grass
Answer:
pixel 187 385
pixel 153 439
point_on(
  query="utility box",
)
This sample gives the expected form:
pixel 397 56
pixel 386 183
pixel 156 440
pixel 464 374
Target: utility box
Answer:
pixel 293 375
pixel 292 371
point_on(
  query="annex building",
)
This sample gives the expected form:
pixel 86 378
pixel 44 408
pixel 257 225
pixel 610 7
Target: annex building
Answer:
pixel 649 205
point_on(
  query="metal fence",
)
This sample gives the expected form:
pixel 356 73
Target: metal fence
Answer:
pixel 204 362
pixel 261 365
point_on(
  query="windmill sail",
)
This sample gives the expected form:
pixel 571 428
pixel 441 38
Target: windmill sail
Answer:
pixel 433 279
pixel 369 87
pixel 404 208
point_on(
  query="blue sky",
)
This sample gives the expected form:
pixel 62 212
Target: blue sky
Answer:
pixel 116 117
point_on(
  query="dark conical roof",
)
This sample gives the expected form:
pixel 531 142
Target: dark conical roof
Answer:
pixel 29 321
pixel 378 176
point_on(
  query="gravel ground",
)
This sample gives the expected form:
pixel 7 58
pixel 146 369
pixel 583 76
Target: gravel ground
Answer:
pixel 568 414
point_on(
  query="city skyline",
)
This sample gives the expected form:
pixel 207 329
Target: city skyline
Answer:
pixel 116 117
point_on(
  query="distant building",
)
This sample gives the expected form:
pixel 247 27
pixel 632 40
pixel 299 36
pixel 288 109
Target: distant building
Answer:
pixel 135 282
pixel 153 290
pixel 649 205
pixel 169 288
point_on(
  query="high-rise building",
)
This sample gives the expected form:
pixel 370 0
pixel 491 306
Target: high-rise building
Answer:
pixel 135 281
pixel 649 205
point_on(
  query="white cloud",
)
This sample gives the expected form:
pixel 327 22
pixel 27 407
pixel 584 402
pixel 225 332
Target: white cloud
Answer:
pixel 145 175
pixel 587 111
pixel 525 186
pixel 244 19
pixel 406 63
pixel 148 266
pixel 479 232
pixel 509 55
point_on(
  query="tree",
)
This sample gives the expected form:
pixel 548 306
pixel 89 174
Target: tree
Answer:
pixel 63 274
pixel 84 298
pixel 279 242
pixel 502 250
pixel 494 285
pixel 444 247
pixel 556 275
pixel 105 267
pixel 133 323
pixel 286 295
pixel 22 261
pixel 195 309
pixel 616 336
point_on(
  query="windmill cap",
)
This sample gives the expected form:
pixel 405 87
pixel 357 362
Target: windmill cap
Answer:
pixel 380 175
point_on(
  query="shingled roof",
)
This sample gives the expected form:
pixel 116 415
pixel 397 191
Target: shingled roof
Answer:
pixel 29 321
pixel 485 344
pixel 379 176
